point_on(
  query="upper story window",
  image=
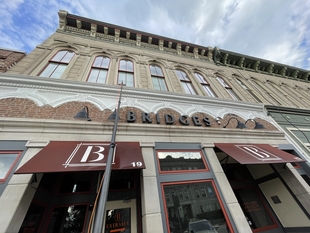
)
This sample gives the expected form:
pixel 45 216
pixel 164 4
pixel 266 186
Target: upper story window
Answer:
pixel 205 85
pixel 58 64
pixel 158 78
pixel 248 90
pixel 125 73
pixel 228 89
pixel 99 70
pixel 186 82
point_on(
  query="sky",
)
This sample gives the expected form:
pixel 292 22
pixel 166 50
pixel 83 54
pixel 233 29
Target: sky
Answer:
pixel 275 30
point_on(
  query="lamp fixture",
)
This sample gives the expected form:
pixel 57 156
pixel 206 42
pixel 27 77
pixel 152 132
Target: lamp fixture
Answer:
pixel 257 124
pixel 83 114
pixel 113 116
pixel 240 125
pixel 218 120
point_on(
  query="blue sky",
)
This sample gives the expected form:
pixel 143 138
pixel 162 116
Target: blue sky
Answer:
pixel 275 30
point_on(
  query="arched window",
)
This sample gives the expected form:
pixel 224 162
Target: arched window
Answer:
pixel 125 73
pixel 186 82
pixel 228 88
pixel 158 78
pixel 58 64
pixel 99 70
pixel 205 85
pixel 248 90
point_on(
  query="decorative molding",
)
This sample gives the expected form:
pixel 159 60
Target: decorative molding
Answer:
pixel 55 92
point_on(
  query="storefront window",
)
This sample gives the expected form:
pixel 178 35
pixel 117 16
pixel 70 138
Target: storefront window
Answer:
pixel 76 182
pixel 67 219
pixel 254 210
pixel 33 218
pixel 197 210
pixel 176 161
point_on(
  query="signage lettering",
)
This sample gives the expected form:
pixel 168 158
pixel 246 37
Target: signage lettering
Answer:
pixel 157 118
pixel 146 118
pixel 169 119
pixel 131 117
pixel 196 121
pixel 183 119
pixel 118 220
pixel 88 151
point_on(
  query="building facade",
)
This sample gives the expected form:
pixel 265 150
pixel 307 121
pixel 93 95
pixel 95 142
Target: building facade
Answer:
pixel 195 146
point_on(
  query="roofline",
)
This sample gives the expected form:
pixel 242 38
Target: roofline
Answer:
pixel 13 50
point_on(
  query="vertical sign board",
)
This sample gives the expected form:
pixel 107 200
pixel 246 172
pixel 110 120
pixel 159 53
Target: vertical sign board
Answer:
pixel 118 221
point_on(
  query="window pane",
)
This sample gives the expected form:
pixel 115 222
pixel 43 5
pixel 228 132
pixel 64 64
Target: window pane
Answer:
pixel 67 58
pixel 174 161
pixel 126 65
pixel 93 75
pixel 153 70
pixel 200 78
pixel 129 80
pixel 122 65
pixel 126 78
pixel 32 219
pixel 58 71
pixel 67 219
pixel 129 66
pixel 6 162
pixel 59 56
pixel 48 70
pixel 232 94
pixel 253 208
pixel 159 84
pixel 155 83
pixel 102 62
pixel 188 88
pixel 102 76
pixel 162 84
pixel 121 77
pixel 209 91
pixel 76 182
pixel 224 84
pixel 194 211
pixel 98 61
pixel 182 75
pixel 156 70
pixel 105 63
pixel 159 71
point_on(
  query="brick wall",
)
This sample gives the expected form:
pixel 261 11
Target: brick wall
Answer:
pixel 9 58
pixel 25 108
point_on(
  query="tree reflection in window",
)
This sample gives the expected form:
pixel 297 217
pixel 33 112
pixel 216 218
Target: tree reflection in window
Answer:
pixel 182 160
pixel 193 208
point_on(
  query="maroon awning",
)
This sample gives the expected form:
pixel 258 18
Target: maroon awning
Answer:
pixel 64 156
pixel 256 153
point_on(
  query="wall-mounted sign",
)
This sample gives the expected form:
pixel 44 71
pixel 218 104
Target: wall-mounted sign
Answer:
pixel 118 221
pixel 168 119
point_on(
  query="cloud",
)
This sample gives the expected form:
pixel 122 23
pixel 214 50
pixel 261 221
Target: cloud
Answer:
pixel 277 31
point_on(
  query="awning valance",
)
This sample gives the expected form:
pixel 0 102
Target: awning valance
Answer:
pixel 257 153
pixel 69 156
